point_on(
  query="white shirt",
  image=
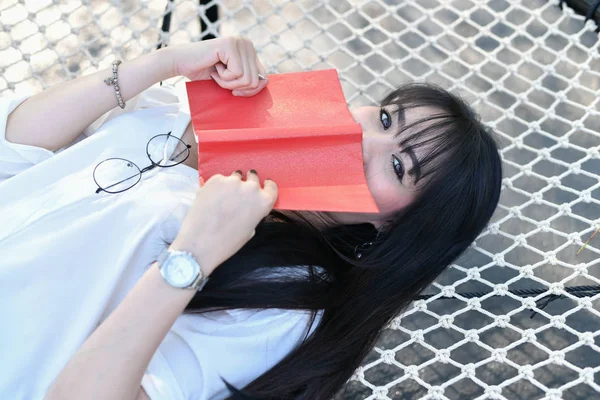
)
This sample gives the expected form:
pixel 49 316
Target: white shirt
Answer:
pixel 69 256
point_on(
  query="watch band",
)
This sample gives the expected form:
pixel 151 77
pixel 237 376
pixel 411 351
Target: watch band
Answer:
pixel 200 280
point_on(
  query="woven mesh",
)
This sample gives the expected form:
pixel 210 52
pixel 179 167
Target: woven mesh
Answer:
pixel 530 68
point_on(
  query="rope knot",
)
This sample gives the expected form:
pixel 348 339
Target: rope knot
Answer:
pixel 526 371
pixel 388 356
pixel 529 335
pixel 443 356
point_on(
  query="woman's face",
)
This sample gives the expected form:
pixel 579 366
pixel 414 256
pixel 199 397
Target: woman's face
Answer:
pixel 386 164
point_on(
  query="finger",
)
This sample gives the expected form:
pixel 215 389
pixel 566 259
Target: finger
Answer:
pixel 230 85
pixel 237 173
pixel 252 176
pixel 253 68
pixel 246 93
pixel 262 83
pixel 243 81
pixel 225 84
pixel 215 77
pixel 247 56
pixel 271 189
pixel 231 59
pixel 220 67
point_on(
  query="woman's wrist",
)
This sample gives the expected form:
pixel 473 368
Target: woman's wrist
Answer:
pixel 203 257
pixel 163 62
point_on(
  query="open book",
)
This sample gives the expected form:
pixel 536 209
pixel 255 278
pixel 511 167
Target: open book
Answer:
pixel 297 131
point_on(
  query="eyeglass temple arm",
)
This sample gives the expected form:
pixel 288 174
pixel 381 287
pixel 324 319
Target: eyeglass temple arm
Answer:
pixel 133 176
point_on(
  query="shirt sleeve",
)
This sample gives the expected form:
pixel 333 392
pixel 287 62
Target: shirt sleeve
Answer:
pixel 238 345
pixel 15 157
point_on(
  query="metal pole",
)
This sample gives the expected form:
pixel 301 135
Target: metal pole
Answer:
pixel 212 15
pixel 166 24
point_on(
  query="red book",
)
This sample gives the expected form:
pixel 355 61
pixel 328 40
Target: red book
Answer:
pixel 297 131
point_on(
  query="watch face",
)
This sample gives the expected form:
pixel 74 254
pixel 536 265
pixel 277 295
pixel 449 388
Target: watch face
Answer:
pixel 180 271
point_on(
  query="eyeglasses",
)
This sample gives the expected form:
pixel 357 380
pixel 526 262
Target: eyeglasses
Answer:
pixel 116 175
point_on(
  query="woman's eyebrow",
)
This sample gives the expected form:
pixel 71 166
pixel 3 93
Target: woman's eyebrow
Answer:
pixel 401 117
pixel 416 166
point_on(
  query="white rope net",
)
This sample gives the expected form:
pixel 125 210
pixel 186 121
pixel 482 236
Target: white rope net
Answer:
pixel 530 68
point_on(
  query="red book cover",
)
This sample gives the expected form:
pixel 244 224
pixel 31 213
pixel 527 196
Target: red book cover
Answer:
pixel 297 131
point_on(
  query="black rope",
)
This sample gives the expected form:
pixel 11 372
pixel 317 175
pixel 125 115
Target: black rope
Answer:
pixel 212 14
pixel 166 23
pixel 589 8
pixel 577 291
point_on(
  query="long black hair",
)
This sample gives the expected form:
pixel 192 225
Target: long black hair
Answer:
pixel 360 296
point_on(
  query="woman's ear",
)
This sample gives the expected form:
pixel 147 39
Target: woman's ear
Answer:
pixel 379 221
pixel 376 224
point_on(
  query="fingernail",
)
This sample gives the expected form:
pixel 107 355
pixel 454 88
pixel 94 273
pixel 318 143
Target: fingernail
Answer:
pixel 253 171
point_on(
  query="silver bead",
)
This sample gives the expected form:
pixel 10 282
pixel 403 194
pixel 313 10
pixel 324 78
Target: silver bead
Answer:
pixel 113 81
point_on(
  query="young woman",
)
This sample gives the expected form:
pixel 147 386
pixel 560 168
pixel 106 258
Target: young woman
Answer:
pixel 294 300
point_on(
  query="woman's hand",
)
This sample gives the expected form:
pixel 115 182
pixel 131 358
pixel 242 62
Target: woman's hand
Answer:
pixel 223 217
pixel 231 62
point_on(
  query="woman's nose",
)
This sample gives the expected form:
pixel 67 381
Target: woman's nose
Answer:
pixel 364 116
pixel 376 143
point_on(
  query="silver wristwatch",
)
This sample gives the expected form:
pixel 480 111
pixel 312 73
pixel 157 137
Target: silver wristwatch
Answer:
pixel 181 270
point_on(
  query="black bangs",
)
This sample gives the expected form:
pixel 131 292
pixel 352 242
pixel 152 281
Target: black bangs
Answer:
pixel 448 136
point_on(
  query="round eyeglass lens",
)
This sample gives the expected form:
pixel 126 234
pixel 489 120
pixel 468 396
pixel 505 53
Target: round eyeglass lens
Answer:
pixel 167 150
pixel 115 175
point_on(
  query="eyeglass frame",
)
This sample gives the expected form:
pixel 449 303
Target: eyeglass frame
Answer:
pixel 141 171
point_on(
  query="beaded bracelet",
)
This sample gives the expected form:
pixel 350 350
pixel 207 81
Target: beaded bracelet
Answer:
pixel 113 81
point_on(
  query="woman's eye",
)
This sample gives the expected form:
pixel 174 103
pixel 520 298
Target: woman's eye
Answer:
pixel 386 119
pixel 398 168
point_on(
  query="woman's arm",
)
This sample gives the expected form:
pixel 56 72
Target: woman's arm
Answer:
pixel 55 117
pixel 111 362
